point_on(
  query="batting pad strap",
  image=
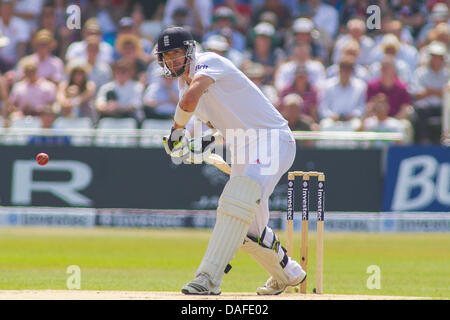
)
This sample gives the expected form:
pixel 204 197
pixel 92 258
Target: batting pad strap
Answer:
pixel 267 258
pixel 182 117
pixel 269 240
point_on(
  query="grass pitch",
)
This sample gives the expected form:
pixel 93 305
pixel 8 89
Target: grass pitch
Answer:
pixel 164 260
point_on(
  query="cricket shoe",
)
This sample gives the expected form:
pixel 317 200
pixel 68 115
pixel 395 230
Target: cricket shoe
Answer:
pixel 276 286
pixel 201 285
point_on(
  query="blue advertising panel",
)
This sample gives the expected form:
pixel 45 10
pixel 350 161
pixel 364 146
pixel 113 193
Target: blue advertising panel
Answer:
pixel 417 179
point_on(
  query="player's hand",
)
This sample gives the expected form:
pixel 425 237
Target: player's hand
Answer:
pixel 202 144
pixel 199 148
pixel 176 144
pixel 175 138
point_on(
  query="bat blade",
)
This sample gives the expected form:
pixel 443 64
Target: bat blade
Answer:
pixel 218 162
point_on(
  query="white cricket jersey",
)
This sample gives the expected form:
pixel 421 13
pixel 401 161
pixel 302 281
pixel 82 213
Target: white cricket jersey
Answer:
pixel 233 101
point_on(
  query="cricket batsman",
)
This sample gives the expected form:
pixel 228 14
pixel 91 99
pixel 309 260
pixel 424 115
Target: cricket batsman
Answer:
pixel 219 94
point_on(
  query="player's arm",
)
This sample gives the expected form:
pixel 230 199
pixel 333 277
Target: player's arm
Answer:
pixel 189 101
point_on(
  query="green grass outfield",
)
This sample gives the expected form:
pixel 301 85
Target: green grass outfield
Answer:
pixel 164 260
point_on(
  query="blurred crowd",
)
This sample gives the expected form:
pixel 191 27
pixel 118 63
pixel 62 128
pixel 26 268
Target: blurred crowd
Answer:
pixel 325 65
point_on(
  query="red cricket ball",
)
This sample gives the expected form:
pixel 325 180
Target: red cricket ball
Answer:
pixel 42 159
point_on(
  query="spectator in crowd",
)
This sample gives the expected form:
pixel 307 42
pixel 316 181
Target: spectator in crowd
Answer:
pixel 4 94
pixel 439 14
pixel 78 49
pixel 351 48
pixel 271 17
pixel 220 45
pixel 47 117
pixel 129 47
pixel 396 91
pixel 389 83
pixel 389 24
pixel 428 86
pixel 281 11
pixel 303 87
pixel 256 72
pixel 180 18
pixel 76 95
pixel 106 18
pixel 4 88
pixel 4 41
pixel 263 50
pixel 377 119
pixel 139 26
pixel 342 98
pixel 51 20
pixel 242 9
pixel 153 12
pixel 224 19
pixel 356 31
pixel 17 31
pixel 291 108
pixel 121 97
pixel 60 8
pixel 325 17
pixel 50 67
pixel 300 56
pixel 406 51
pixel 29 11
pixel 303 31
pixel 199 14
pixel 446 116
pixel 161 98
pixel 217 44
pixel 352 9
pixel 127 26
pixel 440 33
pixel 391 46
pixel 98 71
pixel 32 94
pixel 411 14
pixel 154 71
pixel 255 35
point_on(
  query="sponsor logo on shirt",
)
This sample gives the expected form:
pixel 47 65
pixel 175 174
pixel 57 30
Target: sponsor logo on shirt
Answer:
pixel 201 67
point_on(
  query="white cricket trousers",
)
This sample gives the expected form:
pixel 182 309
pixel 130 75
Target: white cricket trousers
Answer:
pixel 266 166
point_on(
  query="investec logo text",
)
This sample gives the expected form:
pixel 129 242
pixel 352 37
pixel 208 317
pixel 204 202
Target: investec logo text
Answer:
pixel 290 215
pixel 305 201
pixel 319 204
